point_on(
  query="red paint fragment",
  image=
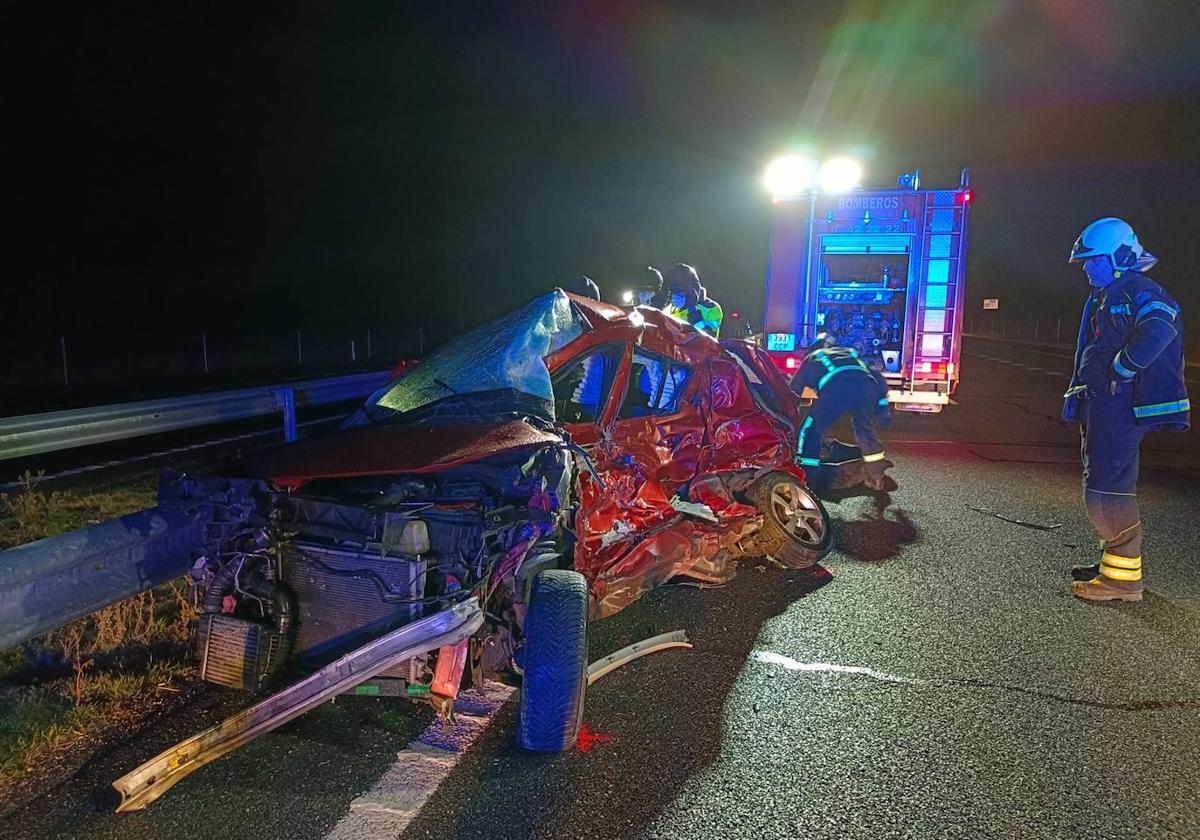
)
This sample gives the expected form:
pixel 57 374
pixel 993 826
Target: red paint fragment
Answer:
pixel 588 739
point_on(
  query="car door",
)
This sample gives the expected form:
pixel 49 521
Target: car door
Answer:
pixel 581 390
pixel 657 422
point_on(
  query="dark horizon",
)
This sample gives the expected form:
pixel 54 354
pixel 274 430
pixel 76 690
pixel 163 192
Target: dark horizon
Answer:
pixel 182 170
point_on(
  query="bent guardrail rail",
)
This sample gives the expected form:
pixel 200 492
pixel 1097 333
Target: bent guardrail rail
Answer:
pixel 47 583
pixel 33 434
pixel 151 780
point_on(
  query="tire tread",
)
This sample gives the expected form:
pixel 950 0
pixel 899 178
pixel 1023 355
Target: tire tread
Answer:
pixel 555 661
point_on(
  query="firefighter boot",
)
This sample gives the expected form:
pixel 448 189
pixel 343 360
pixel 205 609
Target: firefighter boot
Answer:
pixel 1120 579
pixel 876 474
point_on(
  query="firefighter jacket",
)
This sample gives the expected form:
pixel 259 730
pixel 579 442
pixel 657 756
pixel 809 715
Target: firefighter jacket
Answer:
pixel 705 316
pixel 821 366
pixel 1132 331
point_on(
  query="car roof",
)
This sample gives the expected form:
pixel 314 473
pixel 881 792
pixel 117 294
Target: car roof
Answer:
pixel 653 329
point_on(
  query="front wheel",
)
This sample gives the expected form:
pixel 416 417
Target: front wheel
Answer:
pixel 795 527
pixel 554 658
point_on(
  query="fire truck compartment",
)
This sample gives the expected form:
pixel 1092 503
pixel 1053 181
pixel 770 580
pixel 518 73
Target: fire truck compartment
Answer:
pixel 862 301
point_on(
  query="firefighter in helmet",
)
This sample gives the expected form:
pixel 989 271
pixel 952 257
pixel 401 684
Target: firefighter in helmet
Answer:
pixel 844 385
pixel 690 301
pixel 1128 380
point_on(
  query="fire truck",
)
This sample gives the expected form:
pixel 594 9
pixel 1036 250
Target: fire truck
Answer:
pixel 880 271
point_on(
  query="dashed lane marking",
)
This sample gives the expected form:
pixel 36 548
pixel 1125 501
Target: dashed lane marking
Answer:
pixel 1010 362
pixel 977 355
pixel 394 801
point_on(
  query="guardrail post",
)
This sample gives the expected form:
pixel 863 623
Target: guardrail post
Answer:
pixel 1058 333
pixel 420 339
pixel 299 349
pixel 204 348
pixel 32 434
pixel 62 345
pixel 285 401
pixel 353 350
pixel 1037 328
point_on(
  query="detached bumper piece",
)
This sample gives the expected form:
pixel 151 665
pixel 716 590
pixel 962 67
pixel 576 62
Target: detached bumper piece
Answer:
pixel 150 781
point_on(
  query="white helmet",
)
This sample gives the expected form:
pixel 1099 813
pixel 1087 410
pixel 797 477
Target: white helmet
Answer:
pixel 1116 240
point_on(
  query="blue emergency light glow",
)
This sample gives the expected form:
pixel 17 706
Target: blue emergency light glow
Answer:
pixel 785 342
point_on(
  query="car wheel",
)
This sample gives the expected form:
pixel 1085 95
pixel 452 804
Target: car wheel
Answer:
pixel 555 662
pixel 795 527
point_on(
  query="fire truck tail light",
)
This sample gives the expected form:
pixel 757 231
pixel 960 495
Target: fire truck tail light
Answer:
pixel 939 368
pixel 790 363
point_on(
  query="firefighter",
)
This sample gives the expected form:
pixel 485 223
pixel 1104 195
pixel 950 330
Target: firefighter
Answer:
pixel 1128 380
pixel 650 288
pixel 690 301
pixel 844 385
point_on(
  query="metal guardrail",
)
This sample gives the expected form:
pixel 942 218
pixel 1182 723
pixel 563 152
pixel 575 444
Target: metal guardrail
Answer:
pixel 47 583
pixel 143 785
pixel 51 431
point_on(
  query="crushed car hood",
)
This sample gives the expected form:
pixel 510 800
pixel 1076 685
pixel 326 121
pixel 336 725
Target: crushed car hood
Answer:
pixel 391 450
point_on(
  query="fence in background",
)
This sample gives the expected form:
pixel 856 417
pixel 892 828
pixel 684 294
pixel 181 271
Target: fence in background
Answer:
pixel 1049 330
pixel 33 434
pixel 74 360
pixel 44 372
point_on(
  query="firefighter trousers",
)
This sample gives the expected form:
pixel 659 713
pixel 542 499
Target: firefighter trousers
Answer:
pixel 1110 440
pixel 850 393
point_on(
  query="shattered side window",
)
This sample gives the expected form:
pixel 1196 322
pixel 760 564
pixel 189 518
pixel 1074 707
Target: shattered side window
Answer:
pixel 506 354
pixel 655 385
pixel 763 393
pixel 581 386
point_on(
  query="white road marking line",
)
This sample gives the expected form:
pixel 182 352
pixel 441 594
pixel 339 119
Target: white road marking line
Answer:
pixel 392 802
pixel 769 657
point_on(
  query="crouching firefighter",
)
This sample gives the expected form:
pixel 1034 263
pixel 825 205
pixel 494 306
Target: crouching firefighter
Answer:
pixel 844 385
pixel 1128 380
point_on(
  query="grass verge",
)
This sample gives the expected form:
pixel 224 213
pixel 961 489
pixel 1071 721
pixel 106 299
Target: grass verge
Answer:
pixel 64 689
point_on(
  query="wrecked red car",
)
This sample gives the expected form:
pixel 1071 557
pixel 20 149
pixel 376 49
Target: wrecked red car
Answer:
pixel 539 472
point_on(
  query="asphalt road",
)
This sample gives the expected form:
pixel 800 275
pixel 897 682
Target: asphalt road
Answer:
pixel 936 681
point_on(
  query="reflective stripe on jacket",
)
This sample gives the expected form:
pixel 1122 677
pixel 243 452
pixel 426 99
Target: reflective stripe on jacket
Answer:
pixel 821 366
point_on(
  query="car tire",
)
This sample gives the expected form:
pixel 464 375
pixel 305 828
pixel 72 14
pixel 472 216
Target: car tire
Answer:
pixel 795 529
pixel 554 659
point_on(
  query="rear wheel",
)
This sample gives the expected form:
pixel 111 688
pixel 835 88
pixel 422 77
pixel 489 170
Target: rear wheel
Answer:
pixel 795 527
pixel 554 658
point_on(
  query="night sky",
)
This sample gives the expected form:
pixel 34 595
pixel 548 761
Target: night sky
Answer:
pixel 358 164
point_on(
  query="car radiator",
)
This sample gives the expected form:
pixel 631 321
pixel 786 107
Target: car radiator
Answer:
pixel 345 598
